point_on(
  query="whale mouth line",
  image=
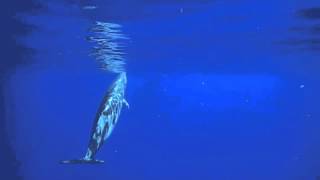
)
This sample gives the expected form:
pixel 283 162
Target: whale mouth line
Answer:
pixel 82 161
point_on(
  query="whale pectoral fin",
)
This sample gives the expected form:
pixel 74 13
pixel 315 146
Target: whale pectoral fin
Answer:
pixel 126 103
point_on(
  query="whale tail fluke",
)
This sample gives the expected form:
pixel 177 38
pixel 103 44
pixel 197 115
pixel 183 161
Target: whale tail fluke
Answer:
pixel 82 161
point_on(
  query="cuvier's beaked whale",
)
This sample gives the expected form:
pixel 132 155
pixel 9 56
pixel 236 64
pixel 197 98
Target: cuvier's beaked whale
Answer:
pixel 106 119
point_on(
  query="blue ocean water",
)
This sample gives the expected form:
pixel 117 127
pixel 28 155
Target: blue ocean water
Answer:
pixel 218 89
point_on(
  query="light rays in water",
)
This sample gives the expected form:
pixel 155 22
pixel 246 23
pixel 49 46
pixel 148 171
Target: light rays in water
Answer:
pixel 109 44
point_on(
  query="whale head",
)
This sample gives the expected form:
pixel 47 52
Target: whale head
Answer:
pixel 119 85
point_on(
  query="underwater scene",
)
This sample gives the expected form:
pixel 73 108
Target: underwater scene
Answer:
pixel 160 90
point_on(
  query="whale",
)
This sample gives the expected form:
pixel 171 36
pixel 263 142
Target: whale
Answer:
pixel 105 121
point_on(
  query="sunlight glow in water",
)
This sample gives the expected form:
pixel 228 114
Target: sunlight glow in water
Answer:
pixel 108 50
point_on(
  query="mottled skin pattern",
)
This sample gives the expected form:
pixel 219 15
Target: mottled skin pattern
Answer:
pixel 106 119
pixel 107 116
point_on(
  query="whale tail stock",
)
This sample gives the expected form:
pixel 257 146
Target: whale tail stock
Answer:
pixel 82 161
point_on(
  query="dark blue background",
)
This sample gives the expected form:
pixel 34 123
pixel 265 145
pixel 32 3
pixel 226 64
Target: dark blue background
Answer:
pixel 217 90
